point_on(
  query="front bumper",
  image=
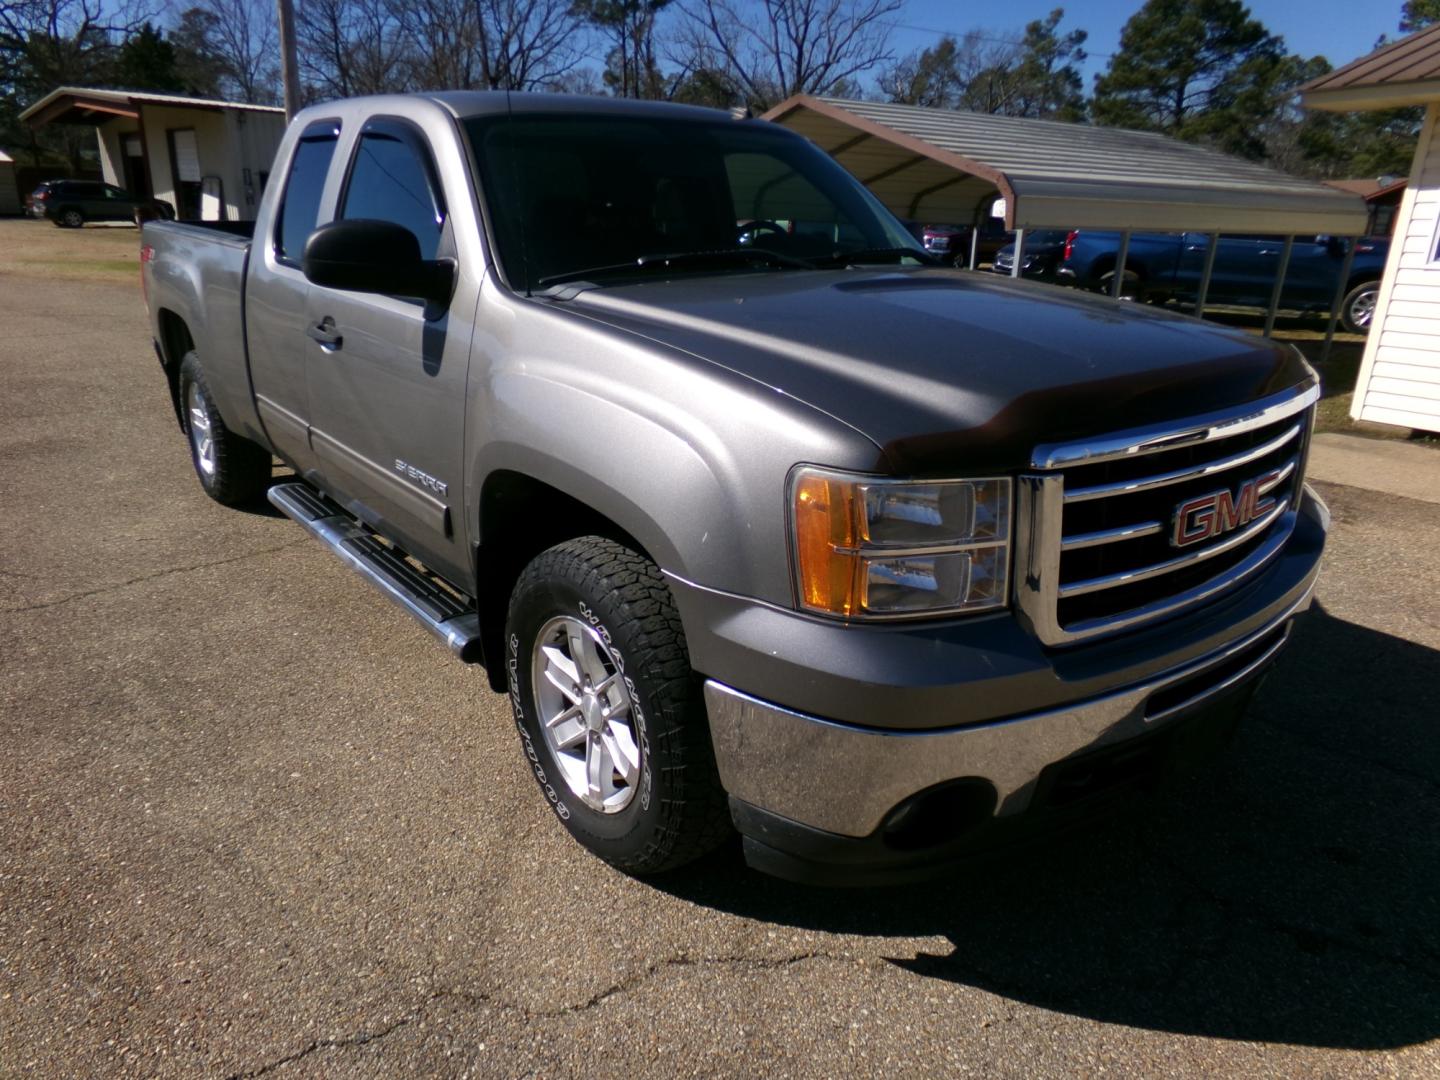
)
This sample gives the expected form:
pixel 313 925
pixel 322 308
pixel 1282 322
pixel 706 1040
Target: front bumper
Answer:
pixel 879 744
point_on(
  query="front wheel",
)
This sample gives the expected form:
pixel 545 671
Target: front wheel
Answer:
pixel 1357 310
pixel 610 715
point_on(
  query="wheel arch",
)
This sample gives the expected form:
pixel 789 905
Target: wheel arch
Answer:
pixel 1104 264
pixel 520 516
pixel 174 342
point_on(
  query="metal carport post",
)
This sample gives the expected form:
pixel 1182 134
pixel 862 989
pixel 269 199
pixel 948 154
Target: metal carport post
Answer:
pixel 1117 284
pixel 1212 243
pixel 1341 288
pixel 1279 284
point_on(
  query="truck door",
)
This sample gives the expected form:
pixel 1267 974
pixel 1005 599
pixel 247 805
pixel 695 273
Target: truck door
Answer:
pixel 1245 268
pixel 386 377
pixel 276 293
pixel 1314 271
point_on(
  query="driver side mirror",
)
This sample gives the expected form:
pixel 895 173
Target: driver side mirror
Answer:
pixel 364 255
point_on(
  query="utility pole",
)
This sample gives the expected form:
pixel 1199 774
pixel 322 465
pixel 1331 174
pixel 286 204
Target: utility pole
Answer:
pixel 289 74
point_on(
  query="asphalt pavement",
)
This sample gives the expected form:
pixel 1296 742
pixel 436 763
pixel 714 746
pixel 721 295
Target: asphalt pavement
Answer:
pixel 254 821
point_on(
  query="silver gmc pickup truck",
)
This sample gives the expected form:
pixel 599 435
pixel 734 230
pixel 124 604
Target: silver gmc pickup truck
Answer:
pixel 764 522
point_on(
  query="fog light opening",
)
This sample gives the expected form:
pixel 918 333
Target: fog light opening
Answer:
pixel 940 814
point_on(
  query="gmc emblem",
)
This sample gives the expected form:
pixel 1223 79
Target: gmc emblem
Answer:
pixel 1213 515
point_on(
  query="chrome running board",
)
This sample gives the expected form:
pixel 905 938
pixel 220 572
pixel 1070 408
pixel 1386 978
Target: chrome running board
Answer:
pixel 386 567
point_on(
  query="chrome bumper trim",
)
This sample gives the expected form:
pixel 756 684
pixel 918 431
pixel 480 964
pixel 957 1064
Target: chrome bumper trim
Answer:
pixel 845 779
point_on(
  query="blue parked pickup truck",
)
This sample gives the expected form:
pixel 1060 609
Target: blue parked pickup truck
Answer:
pixel 1160 266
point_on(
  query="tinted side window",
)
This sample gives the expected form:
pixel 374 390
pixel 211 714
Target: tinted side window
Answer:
pixel 391 180
pixel 300 204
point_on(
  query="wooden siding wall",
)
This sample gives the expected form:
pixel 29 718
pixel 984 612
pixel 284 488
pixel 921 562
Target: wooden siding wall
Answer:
pixel 1400 376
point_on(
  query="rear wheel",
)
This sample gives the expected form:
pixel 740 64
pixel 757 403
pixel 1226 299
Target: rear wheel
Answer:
pixel 70 219
pixel 1129 288
pixel 610 714
pixel 1357 311
pixel 233 470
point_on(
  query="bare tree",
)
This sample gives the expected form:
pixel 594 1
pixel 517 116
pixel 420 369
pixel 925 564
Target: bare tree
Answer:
pixel 352 47
pixel 775 48
pixel 239 40
pixel 441 42
pixel 526 44
pixel 488 44
pixel 45 44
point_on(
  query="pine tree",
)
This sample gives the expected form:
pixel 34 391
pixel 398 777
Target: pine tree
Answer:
pixel 1203 70
pixel 147 62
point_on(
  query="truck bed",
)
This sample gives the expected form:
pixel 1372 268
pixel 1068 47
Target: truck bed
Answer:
pixel 194 274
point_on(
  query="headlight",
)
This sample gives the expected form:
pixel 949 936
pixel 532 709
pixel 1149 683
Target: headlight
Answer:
pixel 867 547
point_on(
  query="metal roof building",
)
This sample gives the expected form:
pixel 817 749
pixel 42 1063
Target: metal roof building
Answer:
pixel 207 159
pixel 943 165
pixel 1402 73
pixel 1399 380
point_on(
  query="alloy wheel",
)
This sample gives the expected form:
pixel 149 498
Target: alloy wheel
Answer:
pixel 585 713
pixel 201 437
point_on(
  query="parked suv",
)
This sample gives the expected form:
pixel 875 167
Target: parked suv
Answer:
pixel 71 203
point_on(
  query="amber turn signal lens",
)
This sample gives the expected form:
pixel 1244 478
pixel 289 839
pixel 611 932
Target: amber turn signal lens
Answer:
pixel 825 531
pixel 871 547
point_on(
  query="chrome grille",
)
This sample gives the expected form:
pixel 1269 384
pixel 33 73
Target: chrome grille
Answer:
pixel 1096 544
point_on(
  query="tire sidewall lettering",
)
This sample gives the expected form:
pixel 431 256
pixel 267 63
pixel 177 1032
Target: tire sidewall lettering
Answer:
pixel 532 755
pixel 637 711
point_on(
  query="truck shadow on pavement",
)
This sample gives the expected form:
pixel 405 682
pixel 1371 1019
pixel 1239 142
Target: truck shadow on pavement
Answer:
pixel 1289 892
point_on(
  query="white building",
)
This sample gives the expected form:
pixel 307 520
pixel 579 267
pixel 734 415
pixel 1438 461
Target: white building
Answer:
pixel 1400 374
pixel 207 159
pixel 9 192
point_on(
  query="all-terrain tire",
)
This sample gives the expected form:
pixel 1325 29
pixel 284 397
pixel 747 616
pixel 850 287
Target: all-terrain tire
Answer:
pixel 676 809
pixel 233 470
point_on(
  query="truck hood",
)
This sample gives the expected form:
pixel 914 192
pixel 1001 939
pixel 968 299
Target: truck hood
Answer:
pixel 946 370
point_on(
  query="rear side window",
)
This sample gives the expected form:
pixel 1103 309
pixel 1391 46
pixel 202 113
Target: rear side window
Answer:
pixel 392 179
pixel 300 204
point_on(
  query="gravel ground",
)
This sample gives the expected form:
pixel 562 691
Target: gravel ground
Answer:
pixel 253 820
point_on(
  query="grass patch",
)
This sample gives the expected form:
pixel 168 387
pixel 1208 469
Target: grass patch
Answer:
pixel 89 266
pixel 1338 371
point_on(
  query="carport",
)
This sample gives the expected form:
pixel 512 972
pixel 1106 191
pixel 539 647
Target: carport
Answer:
pixel 952 165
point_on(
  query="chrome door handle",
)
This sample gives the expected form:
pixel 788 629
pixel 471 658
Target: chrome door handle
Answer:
pixel 324 333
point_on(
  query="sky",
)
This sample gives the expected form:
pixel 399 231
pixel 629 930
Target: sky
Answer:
pixel 1339 30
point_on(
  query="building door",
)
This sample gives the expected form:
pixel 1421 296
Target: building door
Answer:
pixel 185 167
pixel 132 157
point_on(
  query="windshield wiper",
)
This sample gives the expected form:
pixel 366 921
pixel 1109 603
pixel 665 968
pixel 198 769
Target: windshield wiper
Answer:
pixel 878 255
pixel 680 259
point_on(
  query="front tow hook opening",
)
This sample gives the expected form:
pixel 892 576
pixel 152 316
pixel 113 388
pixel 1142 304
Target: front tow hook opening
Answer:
pixel 940 815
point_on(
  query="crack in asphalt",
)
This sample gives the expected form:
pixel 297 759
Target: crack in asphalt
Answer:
pixel 480 997
pixel 328 1044
pixel 151 577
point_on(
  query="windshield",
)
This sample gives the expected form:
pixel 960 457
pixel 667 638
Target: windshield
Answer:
pixel 569 194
